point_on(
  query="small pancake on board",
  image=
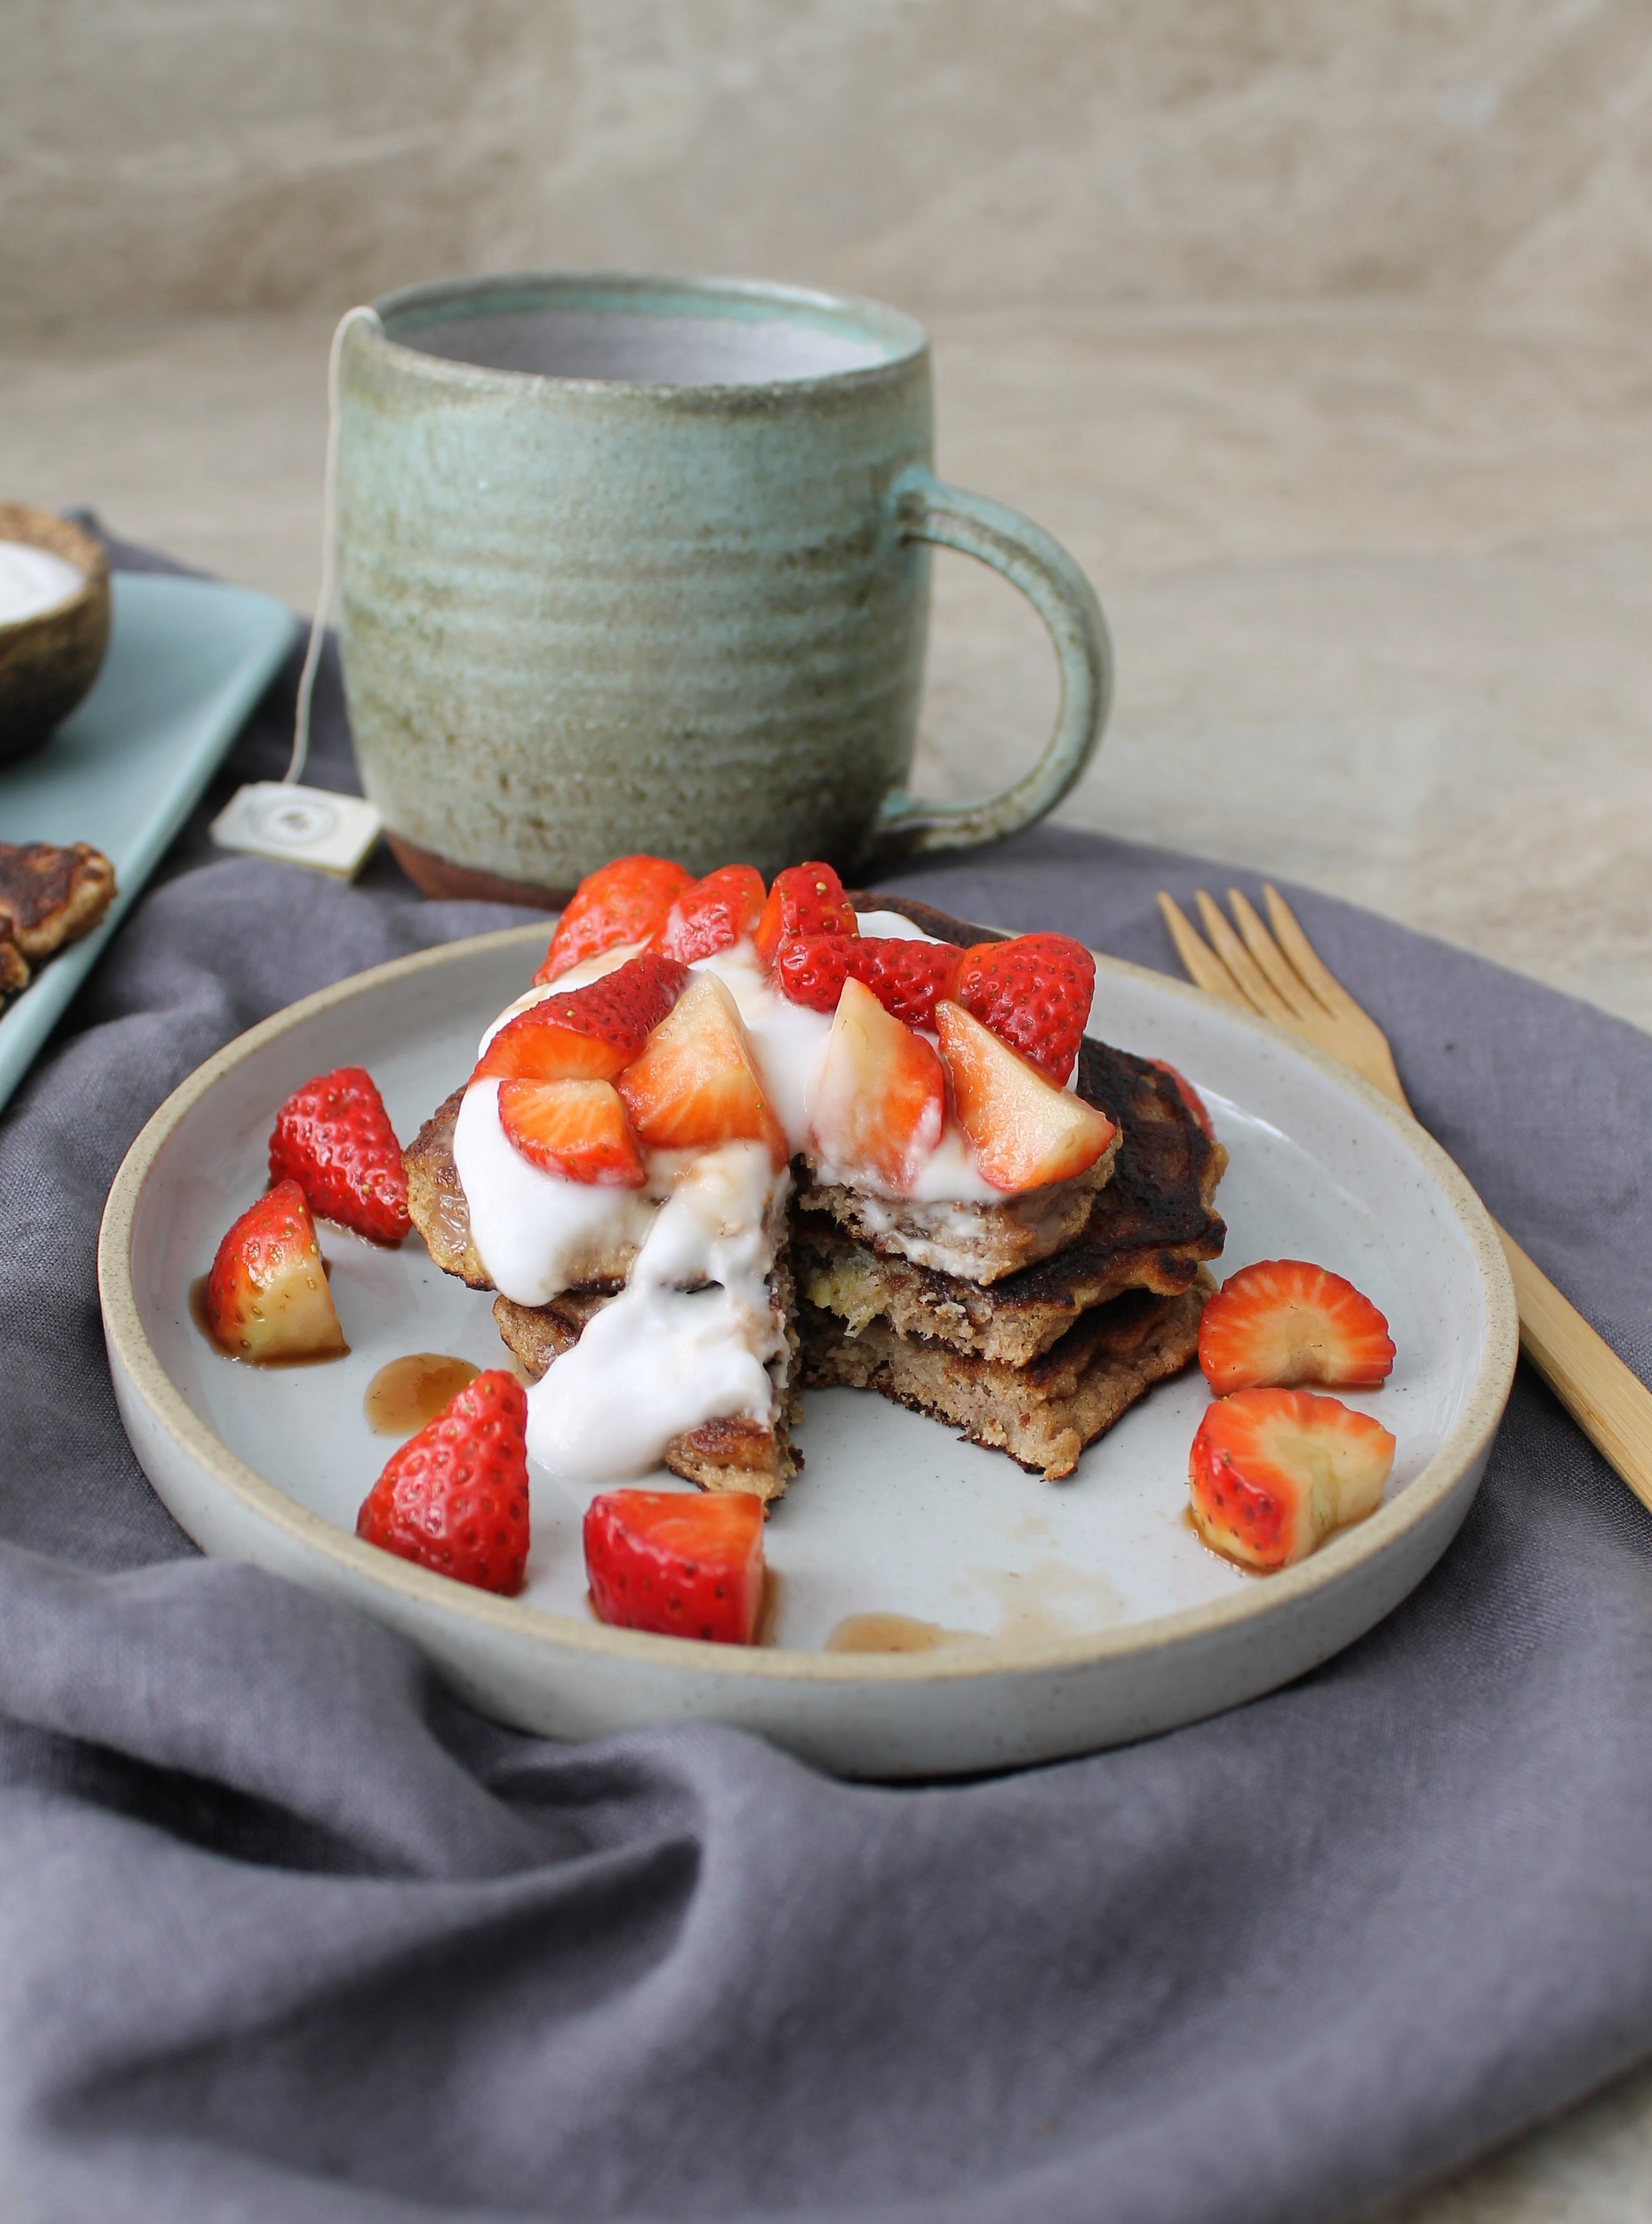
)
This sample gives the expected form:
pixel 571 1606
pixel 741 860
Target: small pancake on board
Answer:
pixel 51 894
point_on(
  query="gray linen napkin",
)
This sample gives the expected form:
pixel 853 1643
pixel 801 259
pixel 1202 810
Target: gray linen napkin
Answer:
pixel 286 1933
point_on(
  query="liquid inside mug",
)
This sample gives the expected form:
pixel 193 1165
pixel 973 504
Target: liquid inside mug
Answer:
pixel 632 563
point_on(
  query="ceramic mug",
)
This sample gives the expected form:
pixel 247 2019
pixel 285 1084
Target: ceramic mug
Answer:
pixel 632 563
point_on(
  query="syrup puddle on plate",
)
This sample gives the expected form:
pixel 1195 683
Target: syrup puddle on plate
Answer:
pixel 894 1633
pixel 408 1392
pixel 198 1314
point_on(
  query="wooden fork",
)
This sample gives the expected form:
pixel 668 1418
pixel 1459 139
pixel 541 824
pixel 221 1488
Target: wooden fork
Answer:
pixel 1281 975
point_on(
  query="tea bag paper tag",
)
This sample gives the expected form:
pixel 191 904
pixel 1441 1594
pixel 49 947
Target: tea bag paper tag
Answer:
pixel 299 825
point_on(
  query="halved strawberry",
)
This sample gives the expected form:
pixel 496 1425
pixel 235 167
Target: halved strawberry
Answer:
pixel 805 900
pixel 906 977
pixel 625 901
pixel 1025 1130
pixel 576 1129
pixel 267 1295
pixel 1034 993
pixel 454 1498
pixel 586 1034
pixel 333 1137
pixel 695 1082
pixel 1189 1096
pixel 714 914
pixel 1272 1472
pixel 880 1100
pixel 1285 1321
pixel 681 1566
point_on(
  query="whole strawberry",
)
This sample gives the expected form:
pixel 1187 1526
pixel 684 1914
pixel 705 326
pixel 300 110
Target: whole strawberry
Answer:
pixel 1033 992
pixel 454 1499
pixel 334 1138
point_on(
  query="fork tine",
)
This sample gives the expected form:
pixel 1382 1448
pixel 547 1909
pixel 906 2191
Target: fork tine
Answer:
pixel 1307 960
pixel 1272 960
pixel 1259 991
pixel 1203 966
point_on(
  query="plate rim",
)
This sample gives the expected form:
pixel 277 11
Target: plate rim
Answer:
pixel 1347 1552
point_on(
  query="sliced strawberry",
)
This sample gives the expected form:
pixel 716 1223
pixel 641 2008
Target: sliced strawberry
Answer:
pixel 1285 1321
pixel 880 1100
pixel 587 1035
pixel 626 902
pixel 715 914
pixel 681 1566
pixel 1034 993
pixel 454 1498
pixel 333 1137
pixel 812 969
pixel 576 1129
pixel 805 899
pixel 906 977
pixel 1189 1096
pixel 1024 1129
pixel 1272 1472
pixel 267 1295
pixel 694 1082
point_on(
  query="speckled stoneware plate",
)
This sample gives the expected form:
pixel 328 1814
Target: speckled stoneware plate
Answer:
pixel 1081 1613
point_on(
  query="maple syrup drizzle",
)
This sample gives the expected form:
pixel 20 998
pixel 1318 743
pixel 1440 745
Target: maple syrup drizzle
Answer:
pixel 410 1392
pixel 198 1314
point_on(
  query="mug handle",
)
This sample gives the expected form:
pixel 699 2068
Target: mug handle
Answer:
pixel 927 509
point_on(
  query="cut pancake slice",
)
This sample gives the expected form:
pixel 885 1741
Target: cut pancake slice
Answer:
pixel 728 1452
pixel 1149 1229
pixel 1042 1414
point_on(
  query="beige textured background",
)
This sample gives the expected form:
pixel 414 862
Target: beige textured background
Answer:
pixel 168 155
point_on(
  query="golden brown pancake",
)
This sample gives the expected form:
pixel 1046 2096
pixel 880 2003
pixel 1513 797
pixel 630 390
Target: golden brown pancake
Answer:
pixel 50 894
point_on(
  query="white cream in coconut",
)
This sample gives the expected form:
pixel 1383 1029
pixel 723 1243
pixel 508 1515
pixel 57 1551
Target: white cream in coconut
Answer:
pixel 691 1336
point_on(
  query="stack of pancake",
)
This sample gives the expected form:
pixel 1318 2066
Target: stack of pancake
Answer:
pixel 1034 1356
pixel 1079 1297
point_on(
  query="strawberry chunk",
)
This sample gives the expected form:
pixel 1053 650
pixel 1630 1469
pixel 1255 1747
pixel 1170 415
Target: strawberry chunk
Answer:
pixel 1024 1131
pixel 1273 1472
pixel 1035 993
pixel 625 901
pixel 812 969
pixel 333 1137
pixel 586 1034
pixel 1284 1321
pixel 266 1297
pixel 807 899
pixel 714 914
pixel 906 977
pixel 880 1100
pixel 575 1129
pixel 694 1082
pixel 454 1498
pixel 678 1565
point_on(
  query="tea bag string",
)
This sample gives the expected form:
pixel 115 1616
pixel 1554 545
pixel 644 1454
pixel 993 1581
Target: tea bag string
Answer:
pixel 329 543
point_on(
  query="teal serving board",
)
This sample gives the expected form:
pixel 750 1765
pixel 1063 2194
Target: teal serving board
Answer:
pixel 187 660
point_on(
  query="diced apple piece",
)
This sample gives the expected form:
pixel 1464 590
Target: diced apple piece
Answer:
pixel 880 1100
pixel 695 1082
pixel 1273 1472
pixel 1025 1131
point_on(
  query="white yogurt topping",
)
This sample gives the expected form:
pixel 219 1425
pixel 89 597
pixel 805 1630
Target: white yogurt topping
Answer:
pixel 665 1355
pixel 34 580
pixel 688 1338
pixel 535 1233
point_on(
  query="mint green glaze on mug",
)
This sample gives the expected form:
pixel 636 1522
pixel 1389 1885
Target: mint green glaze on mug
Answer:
pixel 641 564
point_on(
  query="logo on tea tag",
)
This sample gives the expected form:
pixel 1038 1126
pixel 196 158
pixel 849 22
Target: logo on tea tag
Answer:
pixel 300 825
